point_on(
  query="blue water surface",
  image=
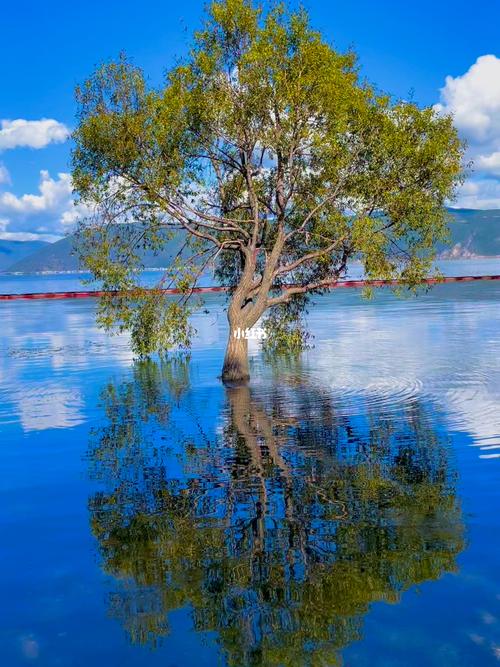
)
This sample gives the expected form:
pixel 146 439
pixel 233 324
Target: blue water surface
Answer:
pixel 343 508
pixel 66 282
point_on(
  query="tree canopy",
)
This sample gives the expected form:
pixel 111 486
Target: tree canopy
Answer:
pixel 273 161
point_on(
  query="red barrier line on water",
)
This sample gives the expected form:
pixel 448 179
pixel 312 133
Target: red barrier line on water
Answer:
pixel 204 290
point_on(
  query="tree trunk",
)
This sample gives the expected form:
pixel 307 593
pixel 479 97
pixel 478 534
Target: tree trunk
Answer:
pixel 235 367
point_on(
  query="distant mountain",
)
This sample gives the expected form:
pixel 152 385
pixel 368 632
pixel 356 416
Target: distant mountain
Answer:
pixel 60 256
pixel 13 251
pixel 473 233
pixel 52 257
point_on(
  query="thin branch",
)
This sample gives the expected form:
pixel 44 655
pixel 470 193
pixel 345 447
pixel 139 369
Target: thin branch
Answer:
pixel 306 258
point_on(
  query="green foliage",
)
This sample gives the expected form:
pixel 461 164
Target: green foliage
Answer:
pixel 274 159
pixel 286 333
pixel 155 321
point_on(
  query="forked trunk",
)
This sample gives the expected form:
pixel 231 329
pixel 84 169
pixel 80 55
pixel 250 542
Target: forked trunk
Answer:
pixel 235 367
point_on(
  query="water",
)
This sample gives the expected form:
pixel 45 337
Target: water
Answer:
pixel 343 508
pixel 72 282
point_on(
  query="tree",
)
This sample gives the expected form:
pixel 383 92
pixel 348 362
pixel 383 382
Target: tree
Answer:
pixel 279 526
pixel 265 155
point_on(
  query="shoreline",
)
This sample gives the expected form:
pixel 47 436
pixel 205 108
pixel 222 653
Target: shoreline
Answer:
pixel 79 272
pixel 75 272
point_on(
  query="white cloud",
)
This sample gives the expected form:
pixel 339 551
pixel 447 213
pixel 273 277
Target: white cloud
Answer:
pixel 489 163
pixel 51 212
pixel 483 193
pixel 54 194
pixel 4 175
pixel 25 236
pixel 474 100
pixel 31 133
pixel 73 213
pixel 28 236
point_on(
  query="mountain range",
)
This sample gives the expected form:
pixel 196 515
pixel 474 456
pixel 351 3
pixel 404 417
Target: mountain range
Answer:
pixel 60 257
pixel 12 252
pixel 474 233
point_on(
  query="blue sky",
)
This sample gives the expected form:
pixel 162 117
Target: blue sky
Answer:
pixel 47 48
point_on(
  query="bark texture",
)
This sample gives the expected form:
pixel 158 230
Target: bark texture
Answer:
pixel 235 368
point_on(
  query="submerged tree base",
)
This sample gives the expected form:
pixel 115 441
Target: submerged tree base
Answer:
pixel 235 368
pixel 232 376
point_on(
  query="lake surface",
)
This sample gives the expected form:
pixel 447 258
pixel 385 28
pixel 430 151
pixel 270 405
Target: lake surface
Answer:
pixel 343 508
pixel 70 282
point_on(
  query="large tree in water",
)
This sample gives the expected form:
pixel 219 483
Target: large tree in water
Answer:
pixel 266 156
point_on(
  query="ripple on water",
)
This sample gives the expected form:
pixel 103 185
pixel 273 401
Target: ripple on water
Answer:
pixel 471 399
pixel 376 356
pixel 384 394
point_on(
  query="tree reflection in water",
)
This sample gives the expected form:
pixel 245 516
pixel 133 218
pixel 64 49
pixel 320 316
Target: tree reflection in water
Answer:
pixel 279 527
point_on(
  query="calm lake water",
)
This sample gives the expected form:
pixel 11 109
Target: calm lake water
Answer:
pixel 341 509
